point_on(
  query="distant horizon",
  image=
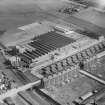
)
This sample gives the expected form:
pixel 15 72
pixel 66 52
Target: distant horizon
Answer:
pixel 9 5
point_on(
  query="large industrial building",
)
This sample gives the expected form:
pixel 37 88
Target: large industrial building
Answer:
pixel 56 56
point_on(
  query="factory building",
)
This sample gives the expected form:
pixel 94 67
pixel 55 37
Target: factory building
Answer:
pixel 41 46
pixel 89 57
pixel 56 57
pixel 70 69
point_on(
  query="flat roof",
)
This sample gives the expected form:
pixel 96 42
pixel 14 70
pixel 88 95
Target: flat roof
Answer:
pixel 45 44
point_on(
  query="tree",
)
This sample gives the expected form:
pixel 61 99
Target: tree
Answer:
pixel 14 51
pixel 81 64
pixel 7 62
pixel 2 31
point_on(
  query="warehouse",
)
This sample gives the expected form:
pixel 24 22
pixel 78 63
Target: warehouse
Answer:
pixel 42 45
pixel 56 57
pixel 68 68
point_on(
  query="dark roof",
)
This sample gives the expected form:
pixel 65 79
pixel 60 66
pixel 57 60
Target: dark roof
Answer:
pixel 44 44
pixel 48 42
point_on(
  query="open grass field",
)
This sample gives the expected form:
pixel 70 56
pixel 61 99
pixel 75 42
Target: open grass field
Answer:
pixel 15 13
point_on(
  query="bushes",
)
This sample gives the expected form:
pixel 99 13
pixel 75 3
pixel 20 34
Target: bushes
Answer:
pixel 7 62
pixel 14 51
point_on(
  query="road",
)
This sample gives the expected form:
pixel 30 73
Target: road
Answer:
pixel 14 91
pixel 92 76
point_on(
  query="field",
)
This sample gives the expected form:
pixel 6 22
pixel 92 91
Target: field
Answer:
pixel 17 13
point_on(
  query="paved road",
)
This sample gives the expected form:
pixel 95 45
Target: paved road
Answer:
pixel 88 74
